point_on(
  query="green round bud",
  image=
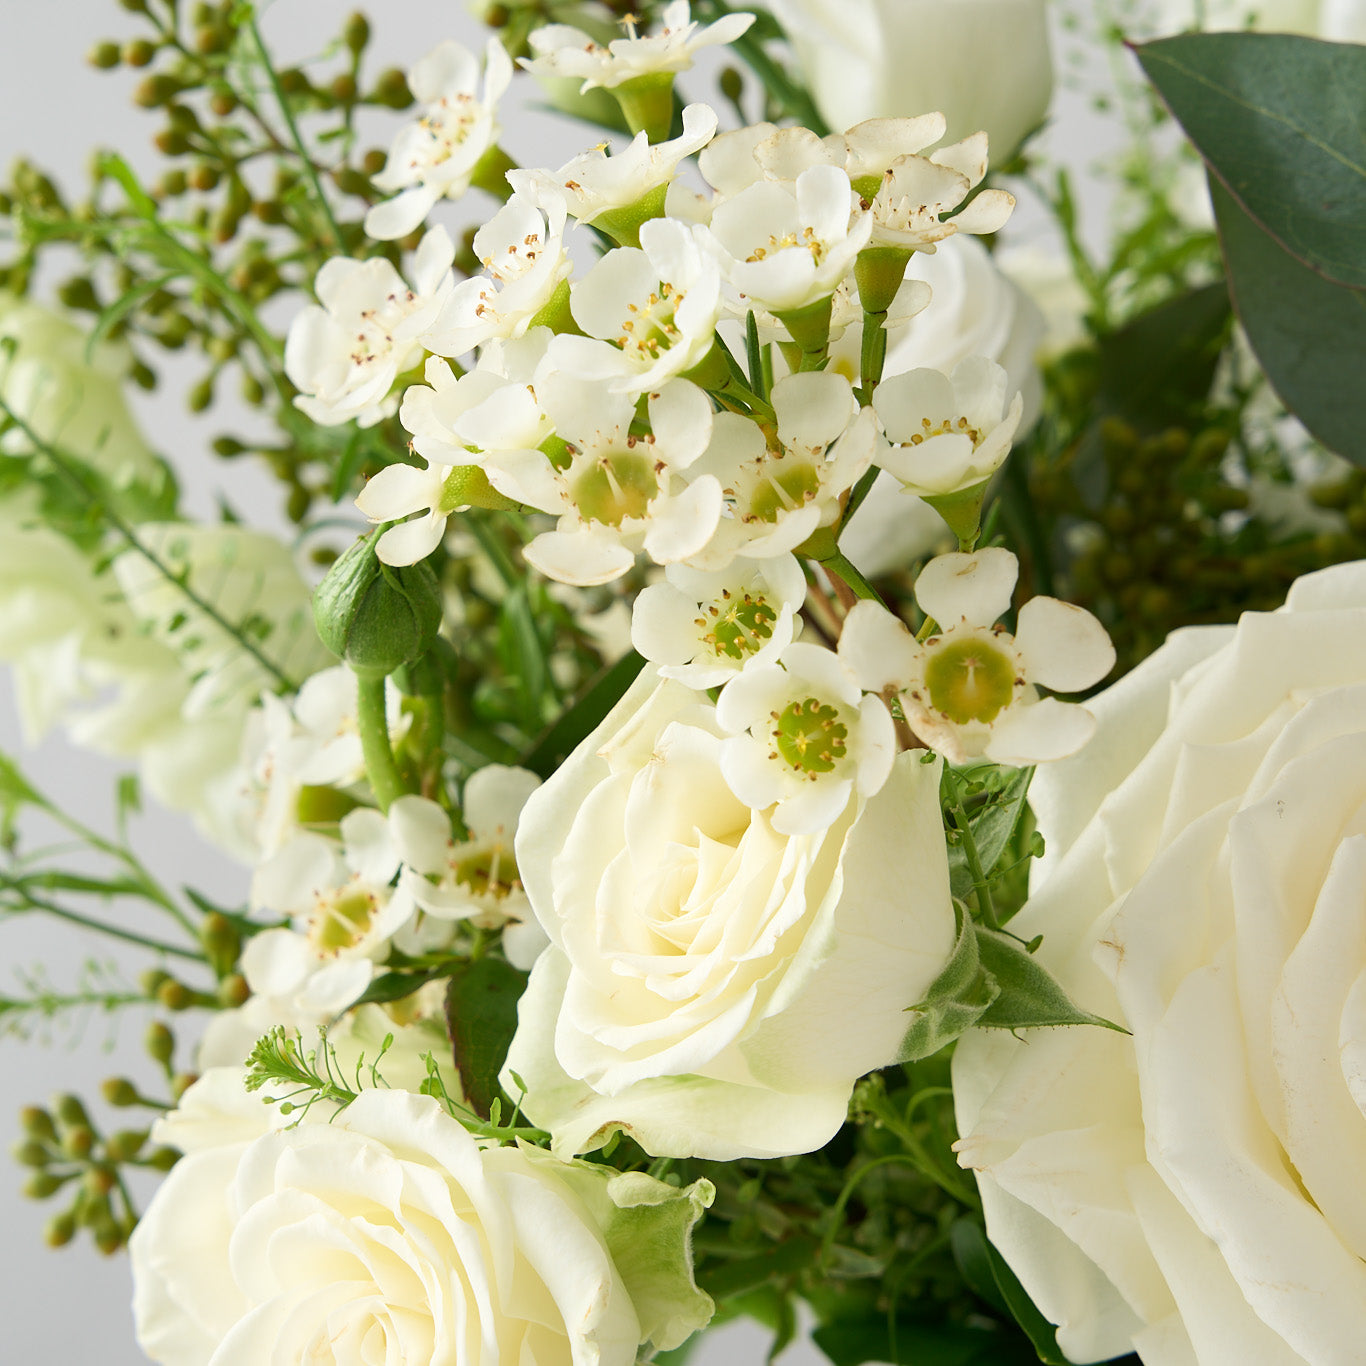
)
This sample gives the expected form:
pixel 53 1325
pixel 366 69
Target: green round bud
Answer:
pixel 125 1144
pixel 375 616
pixel 373 162
pixel 100 1180
pixel 30 1153
pixel 60 1230
pixel 159 1042
pixel 41 1185
pixel 162 1159
pixel 233 991
pixel 139 52
pixel 293 81
pixel 37 1123
pixel 70 1111
pixel 149 983
pixel 732 83
pixel 119 1091
pixel 392 89
pixel 174 995
pixel 343 88
pixel 103 56
pixel 356 32
pixel 108 1236
pixel 223 102
pixel 78 1141
pixel 181 1082
pixel 201 395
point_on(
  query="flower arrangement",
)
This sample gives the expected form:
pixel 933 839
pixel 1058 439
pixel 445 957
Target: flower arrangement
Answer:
pixel 793 763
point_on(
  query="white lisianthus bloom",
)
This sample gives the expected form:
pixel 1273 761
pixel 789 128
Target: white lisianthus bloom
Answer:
pixel 649 312
pixel 786 248
pixel 946 433
pixel 562 50
pixel 703 627
pixel 713 987
pixel 801 738
pixel 474 878
pixel 776 498
pixel 1193 1191
pixel 435 156
pixel 615 493
pixel 971 688
pixel 598 187
pixel 344 353
pixel 406 1242
pixel 883 58
pixel 522 249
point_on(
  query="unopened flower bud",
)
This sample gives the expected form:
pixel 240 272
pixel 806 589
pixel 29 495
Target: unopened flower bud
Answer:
pixel 159 1043
pixel 30 1153
pixel 41 1185
pixel 125 1144
pixel 162 1159
pixel 119 1091
pixel 233 991
pixel 37 1123
pixel 60 1230
pixel 356 32
pixel 78 1141
pixel 174 995
pixel 69 1111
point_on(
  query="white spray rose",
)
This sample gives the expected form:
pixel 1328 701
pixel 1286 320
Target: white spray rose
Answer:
pixel 714 987
pixel 984 63
pixel 1194 1192
pixel 390 1235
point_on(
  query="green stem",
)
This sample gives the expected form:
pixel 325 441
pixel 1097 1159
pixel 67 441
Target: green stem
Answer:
pixel 372 720
pixel 839 563
pixel 33 903
pixel 874 351
pixel 974 860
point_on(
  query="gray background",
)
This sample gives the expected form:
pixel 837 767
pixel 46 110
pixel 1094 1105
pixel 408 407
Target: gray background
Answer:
pixel 72 1306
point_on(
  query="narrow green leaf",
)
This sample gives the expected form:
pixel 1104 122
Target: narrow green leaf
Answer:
pixel 481 1010
pixel 1027 995
pixel 956 999
pixel 1279 120
pixel 394 986
pixel 968 1240
pixel 1042 1334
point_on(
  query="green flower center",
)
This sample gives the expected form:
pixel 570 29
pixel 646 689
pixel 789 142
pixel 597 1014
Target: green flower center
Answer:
pixel 782 485
pixel 341 921
pixel 649 328
pixel 970 680
pixel 810 736
pixel 737 626
pixel 618 485
pixel 486 871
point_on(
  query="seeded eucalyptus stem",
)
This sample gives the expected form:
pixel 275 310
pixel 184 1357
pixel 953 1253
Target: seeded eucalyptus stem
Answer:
pixel 372 720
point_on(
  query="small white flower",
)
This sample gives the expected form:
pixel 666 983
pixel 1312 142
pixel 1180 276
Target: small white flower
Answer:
pixel 947 433
pixel 650 312
pixel 785 248
pixel 474 879
pixel 776 497
pixel 564 51
pixel 595 184
pixel 435 155
pixel 522 249
pixel 615 492
pixel 803 735
pixel 344 355
pixel 703 627
pixel 970 689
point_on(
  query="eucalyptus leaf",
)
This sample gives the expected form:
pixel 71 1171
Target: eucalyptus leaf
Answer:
pixel 1027 995
pixel 955 1001
pixel 481 1010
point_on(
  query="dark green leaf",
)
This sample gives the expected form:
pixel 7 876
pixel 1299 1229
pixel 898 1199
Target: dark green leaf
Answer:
pixel 971 1256
pixel 1279 119
pixel 394 986
pixel 907 1343
pixel 724 1280
pixel 601 695
pixel 481 1010
pixel 1042 1334
pixel 992 824
pixel 1309 334
pixel 956 998
pixel 1027 994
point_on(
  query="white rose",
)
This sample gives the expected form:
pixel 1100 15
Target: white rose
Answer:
pixel 984 64
pixel 712 987
pixel 1195 1192
pixel 389 1234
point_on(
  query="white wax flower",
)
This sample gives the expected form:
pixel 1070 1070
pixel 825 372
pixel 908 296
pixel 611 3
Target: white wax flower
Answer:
pixel 714 987
pixel 617 493
pixel 785 248
pixel 703 627
pixel 650 312
pixel 946 433
pixel 595 183
pixel 801 738
pixel 881 58
pixel 776 498
pixel 971 688
pixel 434 156
pixel 562 50
pixel 344 353
pixel 1193 1191
pixel 405 1237
pixel 522 250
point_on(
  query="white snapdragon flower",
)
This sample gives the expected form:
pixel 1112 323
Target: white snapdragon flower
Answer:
pixel 522 251
pixel 702 628
pixel 802 738
pixel 617 493
pixel 343 912
pixel 785 249
pixel 777 496
pixel 970 689
pixel 564 51
pixel 473 879
pixel 344 353
pixel 597 186
pixel 435 156
pixel 947 433
pixel 650 312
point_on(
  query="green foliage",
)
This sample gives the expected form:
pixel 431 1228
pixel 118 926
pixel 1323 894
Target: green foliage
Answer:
pixel 481 1014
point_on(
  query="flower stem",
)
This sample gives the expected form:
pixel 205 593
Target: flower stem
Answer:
pixel 974 860
pixel 839 563
pixel 372 720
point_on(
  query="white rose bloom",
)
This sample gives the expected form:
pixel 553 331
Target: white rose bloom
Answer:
pixel 390 1235
pixel 970 689
pixel 984 63
pixel 1194 1192
pixel 344 353
pixel 435 156
pixel 714 988
pixel 702 628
